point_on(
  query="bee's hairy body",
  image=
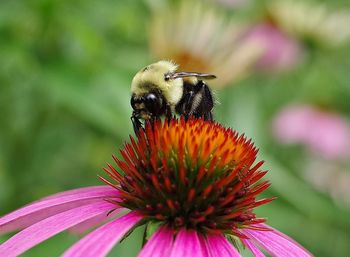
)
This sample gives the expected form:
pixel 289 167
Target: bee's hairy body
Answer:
pixel 158 90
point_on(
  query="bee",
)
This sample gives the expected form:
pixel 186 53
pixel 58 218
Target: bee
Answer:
pixel 158 90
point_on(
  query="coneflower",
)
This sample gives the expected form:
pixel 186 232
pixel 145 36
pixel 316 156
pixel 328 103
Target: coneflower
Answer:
pixel 312 21
pixel 196 179
pixel 202 39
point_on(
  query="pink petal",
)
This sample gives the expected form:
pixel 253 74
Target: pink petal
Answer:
pixel 51 226
pixel 255 250
pixel 52 205
pixel 276 243
pixel 79 191
pixel 220 246
pixel 100 241
pixel 205 246
pixel 187 244
pixel 159 244
pixel 94 221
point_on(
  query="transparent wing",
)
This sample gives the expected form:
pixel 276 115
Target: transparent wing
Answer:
pixel 192 74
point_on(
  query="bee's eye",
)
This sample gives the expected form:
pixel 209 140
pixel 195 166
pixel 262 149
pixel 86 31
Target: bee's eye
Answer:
pixel 153 103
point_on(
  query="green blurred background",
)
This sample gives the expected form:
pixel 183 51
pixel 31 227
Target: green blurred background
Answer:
pixel 65 73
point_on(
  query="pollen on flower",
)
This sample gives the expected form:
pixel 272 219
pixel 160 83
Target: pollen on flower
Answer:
pixel 192 174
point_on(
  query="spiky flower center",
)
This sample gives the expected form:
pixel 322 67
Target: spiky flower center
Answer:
pixel 193 174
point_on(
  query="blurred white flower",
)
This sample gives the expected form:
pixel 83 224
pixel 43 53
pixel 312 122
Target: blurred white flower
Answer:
pixel 324 133
pixel 200 38
pixel 312 21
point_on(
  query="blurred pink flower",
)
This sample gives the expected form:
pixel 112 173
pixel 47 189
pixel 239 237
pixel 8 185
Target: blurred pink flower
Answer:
pixel 200 197
pixel 324 133
pixel 278 51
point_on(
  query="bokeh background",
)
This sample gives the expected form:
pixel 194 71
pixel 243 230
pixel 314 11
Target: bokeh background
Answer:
pixel 283 72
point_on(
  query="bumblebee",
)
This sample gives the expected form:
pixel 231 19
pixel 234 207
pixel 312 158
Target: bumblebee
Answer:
pixel 158 90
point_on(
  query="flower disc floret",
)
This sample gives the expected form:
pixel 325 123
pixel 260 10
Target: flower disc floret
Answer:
pixel 192 174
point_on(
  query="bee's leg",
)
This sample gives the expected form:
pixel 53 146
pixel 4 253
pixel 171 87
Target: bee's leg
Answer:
pixel 209 103
pixel 208 116
pixel 168 113
pixel 204 108
pixel 185 108
pixel 189 106
pixel 152 121
pixel 136 123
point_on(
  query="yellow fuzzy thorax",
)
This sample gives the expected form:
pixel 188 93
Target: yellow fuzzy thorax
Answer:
pixel 152 78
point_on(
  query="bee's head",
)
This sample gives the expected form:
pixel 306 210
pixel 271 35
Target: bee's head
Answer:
pixel 152 89
pixel 148 105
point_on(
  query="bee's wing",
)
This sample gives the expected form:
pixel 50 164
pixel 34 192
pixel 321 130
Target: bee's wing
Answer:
pixel 192 74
